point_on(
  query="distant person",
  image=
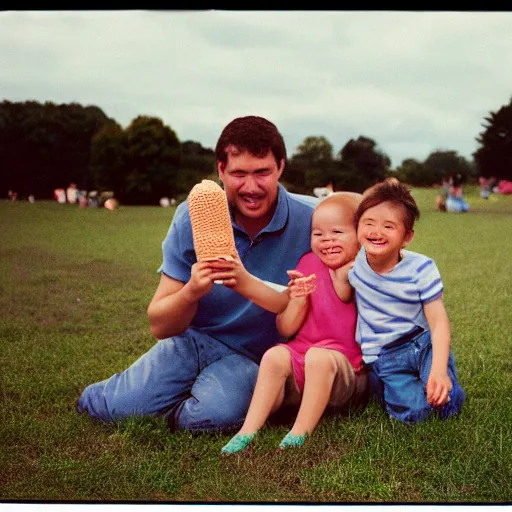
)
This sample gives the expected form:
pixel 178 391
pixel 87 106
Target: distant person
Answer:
pixel 492 183
pixel 201 373
pixel 505 187
pixel 82 198
pixel 60 195
pixel 111 204
pixel 93 201
pixel 323 191
pixel 402 327
pixel 455 202
pixel 443 194
pixel 485 189
pixel 322 365
pixel 71 193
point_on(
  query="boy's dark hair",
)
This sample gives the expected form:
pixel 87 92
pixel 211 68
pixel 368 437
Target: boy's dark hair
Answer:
pixel 254 134
pixel 390 190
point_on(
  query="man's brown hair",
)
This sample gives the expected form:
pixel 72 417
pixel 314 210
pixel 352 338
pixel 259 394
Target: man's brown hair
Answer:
pixel 395 192
pixel 254 134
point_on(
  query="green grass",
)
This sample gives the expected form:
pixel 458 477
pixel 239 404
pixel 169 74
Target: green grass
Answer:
pixel 74 288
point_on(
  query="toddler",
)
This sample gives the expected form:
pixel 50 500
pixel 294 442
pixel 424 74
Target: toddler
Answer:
pixel 322 365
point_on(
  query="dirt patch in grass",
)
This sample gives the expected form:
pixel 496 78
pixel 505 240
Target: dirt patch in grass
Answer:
pixel 18 464
pixel 52 292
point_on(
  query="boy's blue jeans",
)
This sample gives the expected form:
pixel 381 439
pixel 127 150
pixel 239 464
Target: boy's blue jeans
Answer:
pixel 197 382
pixel 399 376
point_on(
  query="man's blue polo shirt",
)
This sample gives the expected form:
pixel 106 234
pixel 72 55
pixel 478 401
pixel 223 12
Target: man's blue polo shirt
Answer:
pixel 223 313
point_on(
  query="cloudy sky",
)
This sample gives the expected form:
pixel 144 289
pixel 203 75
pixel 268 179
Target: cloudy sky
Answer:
pixel 412 81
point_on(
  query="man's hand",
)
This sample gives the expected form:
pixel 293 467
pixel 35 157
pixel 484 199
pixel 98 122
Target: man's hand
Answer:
pixel 438 388
pixel 203 274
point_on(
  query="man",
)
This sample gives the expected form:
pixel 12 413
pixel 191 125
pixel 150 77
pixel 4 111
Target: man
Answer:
pixel 202 372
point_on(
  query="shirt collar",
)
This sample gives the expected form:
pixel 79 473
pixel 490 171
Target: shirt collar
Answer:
pixel 280 216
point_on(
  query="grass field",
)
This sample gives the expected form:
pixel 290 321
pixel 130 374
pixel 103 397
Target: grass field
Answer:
pixel 74 288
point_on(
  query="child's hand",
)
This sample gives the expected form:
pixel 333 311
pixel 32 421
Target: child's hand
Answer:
pixel 294 274
pixel 438 389
pixel 341 274
pixel 300 286
pixel 236 274
pixel 345 268
pixel 341 283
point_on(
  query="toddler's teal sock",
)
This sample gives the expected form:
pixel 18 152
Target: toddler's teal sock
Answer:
pixel 237 443
pixel 291 440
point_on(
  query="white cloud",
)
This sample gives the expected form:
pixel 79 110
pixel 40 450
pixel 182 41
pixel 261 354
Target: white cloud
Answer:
pixel 413 81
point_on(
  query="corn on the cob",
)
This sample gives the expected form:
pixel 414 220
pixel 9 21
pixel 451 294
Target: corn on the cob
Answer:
pixel 211 223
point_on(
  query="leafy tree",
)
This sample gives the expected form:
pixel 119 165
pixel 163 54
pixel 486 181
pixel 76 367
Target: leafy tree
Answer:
pixel 78 127
pixel 494 156
pixel 294 176
pixel 360 165
pixel 13 151
pixel 411 172
pixel 315 155
pixel 46 146
pixel 197 163
pixel 109 159
pixel 315 151
pixel 311 165
pixel 437 166
pixel 153 158
pixel 440 164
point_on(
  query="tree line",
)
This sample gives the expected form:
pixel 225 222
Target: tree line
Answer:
pixel 48 146
pixel 44 146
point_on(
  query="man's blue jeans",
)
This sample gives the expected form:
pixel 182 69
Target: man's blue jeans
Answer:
pixel 197 382
pixel 399 376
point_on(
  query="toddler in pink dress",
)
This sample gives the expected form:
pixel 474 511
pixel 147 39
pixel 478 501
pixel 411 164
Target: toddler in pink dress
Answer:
pixel 322 364
pixel 330 322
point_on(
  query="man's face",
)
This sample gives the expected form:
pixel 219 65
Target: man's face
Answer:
pixel 250 183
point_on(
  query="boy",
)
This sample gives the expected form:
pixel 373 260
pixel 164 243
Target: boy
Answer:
pixel 403 327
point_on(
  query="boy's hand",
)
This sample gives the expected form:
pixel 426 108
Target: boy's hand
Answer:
pixel 300 286
pixel 341 274
pixel 438 388
pixel 345 268
pixel 340 281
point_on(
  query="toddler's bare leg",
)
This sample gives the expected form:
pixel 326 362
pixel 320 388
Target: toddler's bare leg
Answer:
pixel 323 368
pixel 275 368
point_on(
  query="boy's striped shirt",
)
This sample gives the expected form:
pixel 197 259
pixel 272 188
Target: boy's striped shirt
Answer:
pixel 390 306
